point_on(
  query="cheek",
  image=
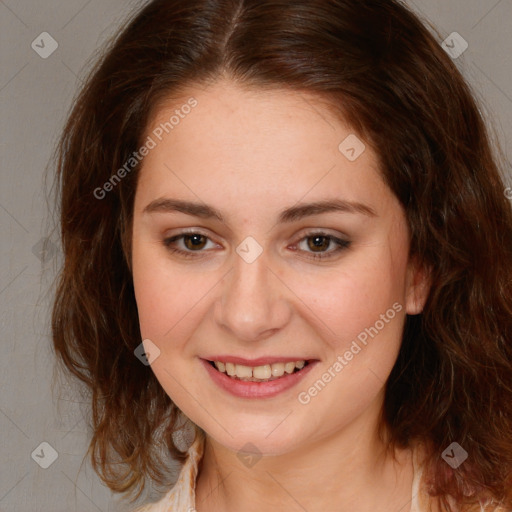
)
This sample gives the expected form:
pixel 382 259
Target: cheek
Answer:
pixel 171 301
pixel 344 303
pixel 159 293
pixel 149 294
pixel 164 304
pixel 359 314
pixel 167 308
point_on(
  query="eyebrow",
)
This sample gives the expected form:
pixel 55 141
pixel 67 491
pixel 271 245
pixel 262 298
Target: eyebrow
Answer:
pixel 291 214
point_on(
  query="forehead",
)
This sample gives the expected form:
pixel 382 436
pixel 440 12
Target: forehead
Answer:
pixel 255 142
pixel 225 107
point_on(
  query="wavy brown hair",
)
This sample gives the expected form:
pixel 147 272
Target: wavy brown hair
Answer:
pixel 385 73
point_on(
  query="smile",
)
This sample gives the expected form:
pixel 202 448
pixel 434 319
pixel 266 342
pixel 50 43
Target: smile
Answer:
pixel 265 379
pixel 262 373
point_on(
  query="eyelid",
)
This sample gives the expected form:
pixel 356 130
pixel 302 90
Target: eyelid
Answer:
pixel 342 242
pixel 167 239
pixel 307 232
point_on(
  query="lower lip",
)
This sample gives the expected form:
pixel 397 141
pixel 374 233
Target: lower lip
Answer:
pixel 246 389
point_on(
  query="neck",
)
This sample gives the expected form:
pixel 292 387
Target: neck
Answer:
pixel 346 470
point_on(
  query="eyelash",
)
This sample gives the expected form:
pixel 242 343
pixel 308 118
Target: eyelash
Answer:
pixel 342 245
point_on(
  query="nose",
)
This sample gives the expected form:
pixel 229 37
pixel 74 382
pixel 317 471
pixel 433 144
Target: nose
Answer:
pixel 253 303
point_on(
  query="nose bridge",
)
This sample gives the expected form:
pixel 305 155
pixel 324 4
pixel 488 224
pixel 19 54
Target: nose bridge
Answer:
pixel 252 301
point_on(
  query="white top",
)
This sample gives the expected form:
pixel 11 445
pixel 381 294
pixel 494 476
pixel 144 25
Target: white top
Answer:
pixel 182 497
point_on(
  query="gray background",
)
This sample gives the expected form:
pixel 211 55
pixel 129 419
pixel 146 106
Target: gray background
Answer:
pixel 35 95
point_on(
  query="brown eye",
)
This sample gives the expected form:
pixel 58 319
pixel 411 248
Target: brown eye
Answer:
pixel 189 245
pixel 318 243
pixel 194 241
pixel 321 246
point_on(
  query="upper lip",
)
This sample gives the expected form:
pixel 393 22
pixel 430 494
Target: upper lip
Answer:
pixel 260 361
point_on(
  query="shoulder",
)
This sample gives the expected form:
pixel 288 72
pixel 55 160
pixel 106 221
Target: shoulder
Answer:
pixel 483 507
pixel 423 501
pixel 160 506
pixel 490 507
pixel 181 498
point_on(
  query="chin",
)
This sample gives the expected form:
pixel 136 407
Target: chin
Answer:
pixel 259 438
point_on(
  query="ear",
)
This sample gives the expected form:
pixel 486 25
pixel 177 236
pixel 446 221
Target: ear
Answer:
pixel 418 284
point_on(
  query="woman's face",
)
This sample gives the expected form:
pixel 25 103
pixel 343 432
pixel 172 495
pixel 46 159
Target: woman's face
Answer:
pixel 262 236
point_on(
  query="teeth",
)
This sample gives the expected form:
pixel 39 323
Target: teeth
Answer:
pixel 258 373
pixel 243 371
pixel 289 367
pixel 277 369
pixel 230 369
pixel 262 372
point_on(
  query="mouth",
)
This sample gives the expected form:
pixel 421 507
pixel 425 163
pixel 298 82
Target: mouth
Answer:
pixel 262 373
pixel 264 377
